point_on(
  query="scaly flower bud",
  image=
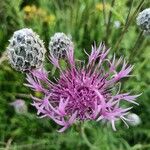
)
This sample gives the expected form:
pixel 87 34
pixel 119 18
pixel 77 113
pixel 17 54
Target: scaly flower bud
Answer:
pixel 134 119
pixel 143 20
pixel 25 51
pixel 59 45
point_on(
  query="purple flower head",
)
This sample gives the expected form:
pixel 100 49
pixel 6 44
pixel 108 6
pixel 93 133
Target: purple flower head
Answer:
pixel 83 92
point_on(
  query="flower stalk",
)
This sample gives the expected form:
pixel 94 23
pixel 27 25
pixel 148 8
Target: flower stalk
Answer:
pixel 128 24
pixel 137 44
pixel 109 21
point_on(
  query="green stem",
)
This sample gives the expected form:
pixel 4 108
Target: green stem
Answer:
pixel 3 58
pixel 109 22
pixel 13 95
pixel 128 24
pixel 140 146
pixel 86 139
pixel 127 19
pixel 137 44
pixel 39 143
pixel 53 70
pixel 144 43
pixel 104 12
pixel 142 65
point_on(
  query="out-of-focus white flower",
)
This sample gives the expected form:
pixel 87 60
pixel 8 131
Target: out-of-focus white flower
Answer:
pixel 117 24
pixel 133 119
pixel 19 106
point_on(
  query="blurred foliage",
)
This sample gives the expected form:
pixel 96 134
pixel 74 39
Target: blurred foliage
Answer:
pixel 86 21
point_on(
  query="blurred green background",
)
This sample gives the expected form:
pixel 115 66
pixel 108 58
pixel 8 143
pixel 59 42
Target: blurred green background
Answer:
pixel 86 21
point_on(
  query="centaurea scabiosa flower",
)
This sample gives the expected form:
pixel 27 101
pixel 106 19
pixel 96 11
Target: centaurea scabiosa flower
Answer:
pixel 82 92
